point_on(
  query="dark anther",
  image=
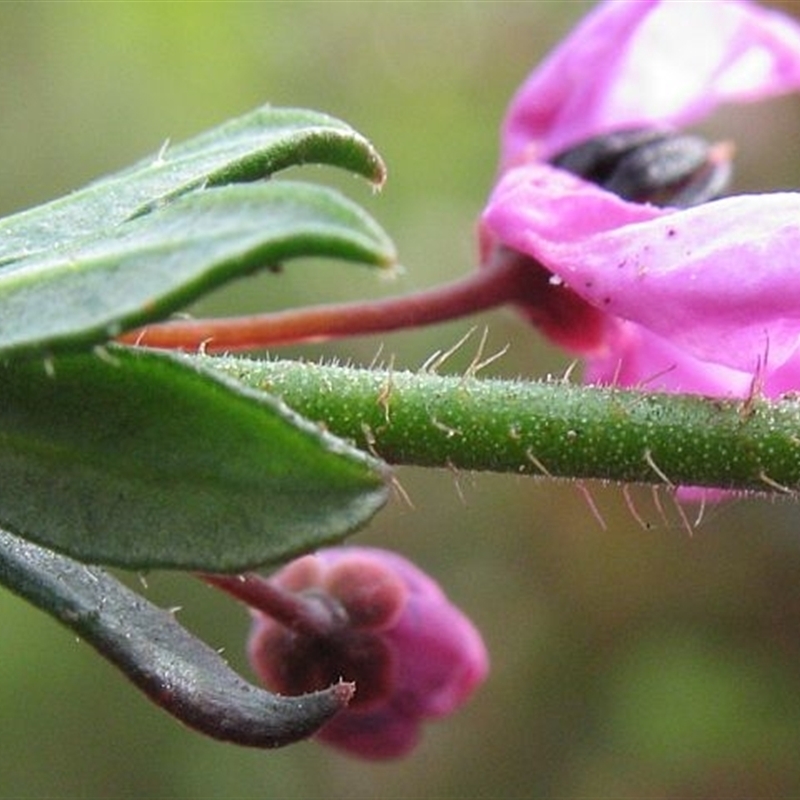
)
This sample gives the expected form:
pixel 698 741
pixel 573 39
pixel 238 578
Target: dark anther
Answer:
pixel 647 166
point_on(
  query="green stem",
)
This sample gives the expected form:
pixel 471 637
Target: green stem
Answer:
pixel 552 428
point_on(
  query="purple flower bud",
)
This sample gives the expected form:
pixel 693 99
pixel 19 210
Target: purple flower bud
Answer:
pixel 410 652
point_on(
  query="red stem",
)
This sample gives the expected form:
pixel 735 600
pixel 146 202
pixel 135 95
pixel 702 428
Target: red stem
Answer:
pixel 304 615
pixel 493 285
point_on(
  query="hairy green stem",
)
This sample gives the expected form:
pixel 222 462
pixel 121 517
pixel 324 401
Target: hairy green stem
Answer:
pixel 551 428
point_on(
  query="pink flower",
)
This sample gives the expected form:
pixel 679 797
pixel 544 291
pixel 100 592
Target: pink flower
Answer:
pixel 387 627
pixel 695 300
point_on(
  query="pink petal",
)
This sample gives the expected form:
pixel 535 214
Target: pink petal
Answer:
pixel 639 359
pixel 645 62
pixel 442 658
pixel 720 281
pixel 783 379
pixel 373 595
pixel 374 735
pixel 300 574
pixel 440 654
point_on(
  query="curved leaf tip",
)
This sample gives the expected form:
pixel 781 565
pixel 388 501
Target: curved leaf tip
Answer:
pixel 181 674
pixel 135 246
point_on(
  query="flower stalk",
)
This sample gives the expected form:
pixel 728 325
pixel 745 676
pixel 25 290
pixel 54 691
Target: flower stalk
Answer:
pixel 304 615
pixel 495 285
pixel 551 428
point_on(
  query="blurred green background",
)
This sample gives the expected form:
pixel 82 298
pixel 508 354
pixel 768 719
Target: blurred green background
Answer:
pixel 632 657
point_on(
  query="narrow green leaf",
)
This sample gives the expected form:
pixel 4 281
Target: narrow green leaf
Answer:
pixel 181 674
pixel 153 264
pixel 244 149
pixel 136 459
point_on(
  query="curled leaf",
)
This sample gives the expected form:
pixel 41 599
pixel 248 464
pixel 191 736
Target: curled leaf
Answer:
pixel 247 148
pixel 151 265
pixel 181 674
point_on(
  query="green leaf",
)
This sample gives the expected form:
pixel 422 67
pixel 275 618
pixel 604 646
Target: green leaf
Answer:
pixel 147 267
pixel 133 458
pixel 244 149
pixel 181 674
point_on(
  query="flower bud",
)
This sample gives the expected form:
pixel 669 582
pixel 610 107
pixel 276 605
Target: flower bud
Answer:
pixel 411 653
